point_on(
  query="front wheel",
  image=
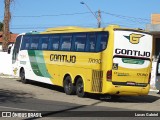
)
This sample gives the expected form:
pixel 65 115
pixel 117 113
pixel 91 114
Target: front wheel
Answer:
pixel 80 88
pixel 22 75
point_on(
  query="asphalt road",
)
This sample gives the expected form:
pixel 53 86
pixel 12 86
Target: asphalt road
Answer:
pixel 52 101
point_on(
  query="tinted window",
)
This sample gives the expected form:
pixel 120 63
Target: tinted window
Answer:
pixel 80 42
pixel 102 39
pixel 16 49
pixel 92 42
pixel 89 42
pixel 34 43
pixel 44 43
pixel 18 42
pixel 25 42
pixel 66 43
pixel 54 42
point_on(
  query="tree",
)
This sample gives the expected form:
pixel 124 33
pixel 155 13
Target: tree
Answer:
pixel 7 18
pixel 1 26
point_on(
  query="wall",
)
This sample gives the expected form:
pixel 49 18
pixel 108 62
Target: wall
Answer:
pixel 5 63
pixel 155 18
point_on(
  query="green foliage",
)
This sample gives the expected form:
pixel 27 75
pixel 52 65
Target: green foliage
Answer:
pixel 1 26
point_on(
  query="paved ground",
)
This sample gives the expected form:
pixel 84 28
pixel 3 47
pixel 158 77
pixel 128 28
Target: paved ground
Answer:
pixel 15 96
pixel 49 92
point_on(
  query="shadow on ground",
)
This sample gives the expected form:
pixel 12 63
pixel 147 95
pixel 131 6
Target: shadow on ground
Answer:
pixel 13 96
pixel 121 99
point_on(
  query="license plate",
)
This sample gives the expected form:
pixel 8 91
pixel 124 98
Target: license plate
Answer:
pixel 131 83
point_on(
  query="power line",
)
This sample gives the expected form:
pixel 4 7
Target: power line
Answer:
pixel 133 19
pixel 117 15
pixel 64 14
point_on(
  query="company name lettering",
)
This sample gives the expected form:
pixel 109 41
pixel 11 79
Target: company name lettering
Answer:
pixel 63 58
pixel 132 52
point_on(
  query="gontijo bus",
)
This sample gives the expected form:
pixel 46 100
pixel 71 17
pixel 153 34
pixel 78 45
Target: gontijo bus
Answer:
pixel 110 60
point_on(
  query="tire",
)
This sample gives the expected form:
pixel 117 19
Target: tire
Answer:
pixel 80 88
pixel 69 88
pixel 22 75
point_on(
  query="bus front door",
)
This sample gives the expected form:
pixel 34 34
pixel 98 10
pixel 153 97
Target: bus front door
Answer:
pixel 15 53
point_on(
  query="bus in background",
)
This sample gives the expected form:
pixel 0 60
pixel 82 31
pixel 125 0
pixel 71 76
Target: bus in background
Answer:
pixel 109 61
pixel 157 83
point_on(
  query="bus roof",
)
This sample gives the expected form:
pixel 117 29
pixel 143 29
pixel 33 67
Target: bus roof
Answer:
pixel 76 29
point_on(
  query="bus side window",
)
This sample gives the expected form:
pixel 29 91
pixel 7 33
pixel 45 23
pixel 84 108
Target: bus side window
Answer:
pixel 54 42
pixel 25 43
pixel 34 43
pixel 80 42
pixel 16 49
pixel 102 39
pixel 66 43
pixel 92 42
pixel 44 46
pixel 44 43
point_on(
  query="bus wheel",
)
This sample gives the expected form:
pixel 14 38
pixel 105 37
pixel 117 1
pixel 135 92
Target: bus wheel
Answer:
pixel 80 88
pixel 22 75
pixel 68 86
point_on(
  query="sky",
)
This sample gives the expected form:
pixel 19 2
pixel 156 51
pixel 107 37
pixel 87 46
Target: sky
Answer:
pixel 38 15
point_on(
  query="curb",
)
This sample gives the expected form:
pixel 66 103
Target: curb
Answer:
pixel 7 76
pixel 152 90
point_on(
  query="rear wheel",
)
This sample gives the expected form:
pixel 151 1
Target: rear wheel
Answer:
pixel 22 75
pixel 69 88
pixel 80 88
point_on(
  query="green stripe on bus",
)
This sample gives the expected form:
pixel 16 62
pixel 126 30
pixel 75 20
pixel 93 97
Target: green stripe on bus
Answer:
pixel 41 64
pixel 33 61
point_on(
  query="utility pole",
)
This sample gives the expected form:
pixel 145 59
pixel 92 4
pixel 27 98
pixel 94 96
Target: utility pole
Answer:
pixel 99 18
pixel 99 14
pixel 6 30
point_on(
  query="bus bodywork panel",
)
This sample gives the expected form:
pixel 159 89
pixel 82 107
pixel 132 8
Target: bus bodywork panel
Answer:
pixel 74 64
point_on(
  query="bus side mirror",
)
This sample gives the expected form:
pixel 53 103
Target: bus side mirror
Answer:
pixel 9 50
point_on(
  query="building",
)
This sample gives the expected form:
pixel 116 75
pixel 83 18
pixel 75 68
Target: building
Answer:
pixel 154 29
pixel 11 41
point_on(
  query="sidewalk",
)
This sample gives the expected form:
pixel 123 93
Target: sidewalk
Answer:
pixel 7 76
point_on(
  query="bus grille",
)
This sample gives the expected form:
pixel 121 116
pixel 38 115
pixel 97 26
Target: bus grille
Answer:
pixel 97 77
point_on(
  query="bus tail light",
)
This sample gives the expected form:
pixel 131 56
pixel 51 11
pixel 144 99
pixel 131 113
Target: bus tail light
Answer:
pixel 149 78
pixel 109 75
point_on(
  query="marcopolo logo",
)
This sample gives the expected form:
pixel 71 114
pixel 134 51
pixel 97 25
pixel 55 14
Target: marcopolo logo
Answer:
pixel 134 38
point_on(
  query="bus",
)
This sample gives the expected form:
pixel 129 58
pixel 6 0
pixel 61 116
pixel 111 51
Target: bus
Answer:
pixel 108 61
pixel 157 83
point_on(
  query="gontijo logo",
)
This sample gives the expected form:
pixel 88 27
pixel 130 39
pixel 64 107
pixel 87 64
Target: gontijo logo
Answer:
pixel 134 38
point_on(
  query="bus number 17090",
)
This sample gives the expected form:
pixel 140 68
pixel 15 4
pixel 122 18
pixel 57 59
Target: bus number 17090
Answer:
pixel 96 61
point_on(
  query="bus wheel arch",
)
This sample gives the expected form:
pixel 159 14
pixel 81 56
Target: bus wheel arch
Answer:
pixel 68 86
pixel 22 76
